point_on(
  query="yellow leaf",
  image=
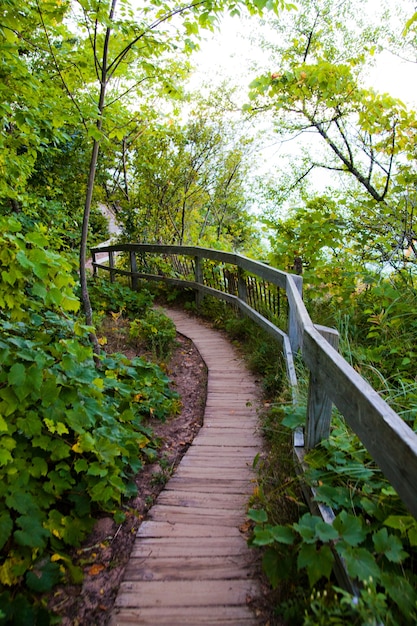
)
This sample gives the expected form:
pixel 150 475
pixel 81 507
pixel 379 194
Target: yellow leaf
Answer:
pixel 96 569
pixel 77 447
pixel 143 442
pixel 7 577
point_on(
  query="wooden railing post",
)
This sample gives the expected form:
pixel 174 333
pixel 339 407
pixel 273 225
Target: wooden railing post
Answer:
pixel 241 285
pixel 133 270
pixel 111 265
pixel 198 279
pixel 293 332
pixel 93 260
pixel 319 406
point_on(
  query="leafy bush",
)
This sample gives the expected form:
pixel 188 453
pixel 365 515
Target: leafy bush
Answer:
pixel 72 436
pixel 372 532
pixel 111 297
pixel 155 331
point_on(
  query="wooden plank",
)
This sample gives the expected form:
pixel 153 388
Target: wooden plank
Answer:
pixel 185 593
pixel 242 452
pixel 204 485
pixel 165 529
pixel 184 498
pixel 215 473
pixel 319 405
pixel 145 547
pixel 174 616
pixel 195 515
pixel 226 462
pixel 191 567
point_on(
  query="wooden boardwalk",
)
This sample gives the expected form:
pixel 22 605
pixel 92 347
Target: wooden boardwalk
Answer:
pixel 190 563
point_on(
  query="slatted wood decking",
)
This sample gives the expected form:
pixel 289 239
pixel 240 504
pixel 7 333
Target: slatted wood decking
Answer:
pixel 190 563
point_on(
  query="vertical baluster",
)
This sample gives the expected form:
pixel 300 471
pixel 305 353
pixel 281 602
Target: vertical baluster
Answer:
pixel 319 406
pixel 133 270
pixel 199 278
pixel 111 265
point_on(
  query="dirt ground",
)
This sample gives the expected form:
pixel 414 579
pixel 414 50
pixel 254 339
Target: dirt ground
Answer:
pixel 106 552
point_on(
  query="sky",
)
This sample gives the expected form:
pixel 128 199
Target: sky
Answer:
pixel 228 53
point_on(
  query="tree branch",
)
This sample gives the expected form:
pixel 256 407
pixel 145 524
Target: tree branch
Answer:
pixel 119 58
pixel 58 69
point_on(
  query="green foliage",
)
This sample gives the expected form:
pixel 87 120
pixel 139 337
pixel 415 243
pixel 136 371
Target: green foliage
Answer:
pixel 155 331
pixel 371 531
pixel 187 184
pixel 30 271
pixel 72 435
pixel 110 297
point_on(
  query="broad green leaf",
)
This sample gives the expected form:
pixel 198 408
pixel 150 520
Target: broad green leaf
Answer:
pixel 325 532
pixel 5 457
pixel 258 515
pixel 43 578
pixel 262 536
pixel 317 562
pixel 389 545
pixel 17 375
pixel 360 562
pixel 282 534
pixel 276 566
pixel 306 526
pixel 6 527
pixel 32 533
pixel 402 593
pixel 350 528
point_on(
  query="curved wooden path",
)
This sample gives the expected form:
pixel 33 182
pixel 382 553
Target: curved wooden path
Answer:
pixel 190 563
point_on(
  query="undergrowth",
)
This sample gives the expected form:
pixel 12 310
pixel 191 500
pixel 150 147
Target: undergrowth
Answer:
pixel 73 435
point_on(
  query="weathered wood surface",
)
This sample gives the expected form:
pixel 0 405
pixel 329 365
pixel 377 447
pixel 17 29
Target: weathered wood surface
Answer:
pixel 190 563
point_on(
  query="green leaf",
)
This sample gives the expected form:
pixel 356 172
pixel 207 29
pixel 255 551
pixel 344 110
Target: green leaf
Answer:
pixel 360 562
pixel 402 593
pixel 350 528
pixel 276 566
pixel 22 502
pixel 317 562
pixel 6 527
pixel 39 467
pixel 258 515
pixel 306 526
pixel 5 457
pixel 282 534
pixel 44 577
pixel 32 533
pixel 325 532
pixel 17 375
pixel 389 545
pixel 262 537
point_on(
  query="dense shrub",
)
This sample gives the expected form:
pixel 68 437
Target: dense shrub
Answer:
pixel 72 435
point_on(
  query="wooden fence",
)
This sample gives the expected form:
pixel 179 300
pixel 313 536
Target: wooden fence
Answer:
pixel 270 296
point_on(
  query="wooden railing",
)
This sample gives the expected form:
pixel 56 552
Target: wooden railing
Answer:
pixel 235 279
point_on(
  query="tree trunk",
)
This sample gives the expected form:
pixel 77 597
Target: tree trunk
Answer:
pixel 85 296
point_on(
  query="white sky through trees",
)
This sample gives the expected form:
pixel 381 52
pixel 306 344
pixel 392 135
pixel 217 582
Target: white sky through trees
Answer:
pixel 234 56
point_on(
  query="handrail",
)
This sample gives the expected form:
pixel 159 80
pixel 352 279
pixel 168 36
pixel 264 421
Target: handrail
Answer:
pixel 389 440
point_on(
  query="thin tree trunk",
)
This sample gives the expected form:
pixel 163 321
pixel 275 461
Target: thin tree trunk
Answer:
pixel 85 296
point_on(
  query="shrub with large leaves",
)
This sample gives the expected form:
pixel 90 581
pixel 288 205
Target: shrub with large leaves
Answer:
pixel 72 435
